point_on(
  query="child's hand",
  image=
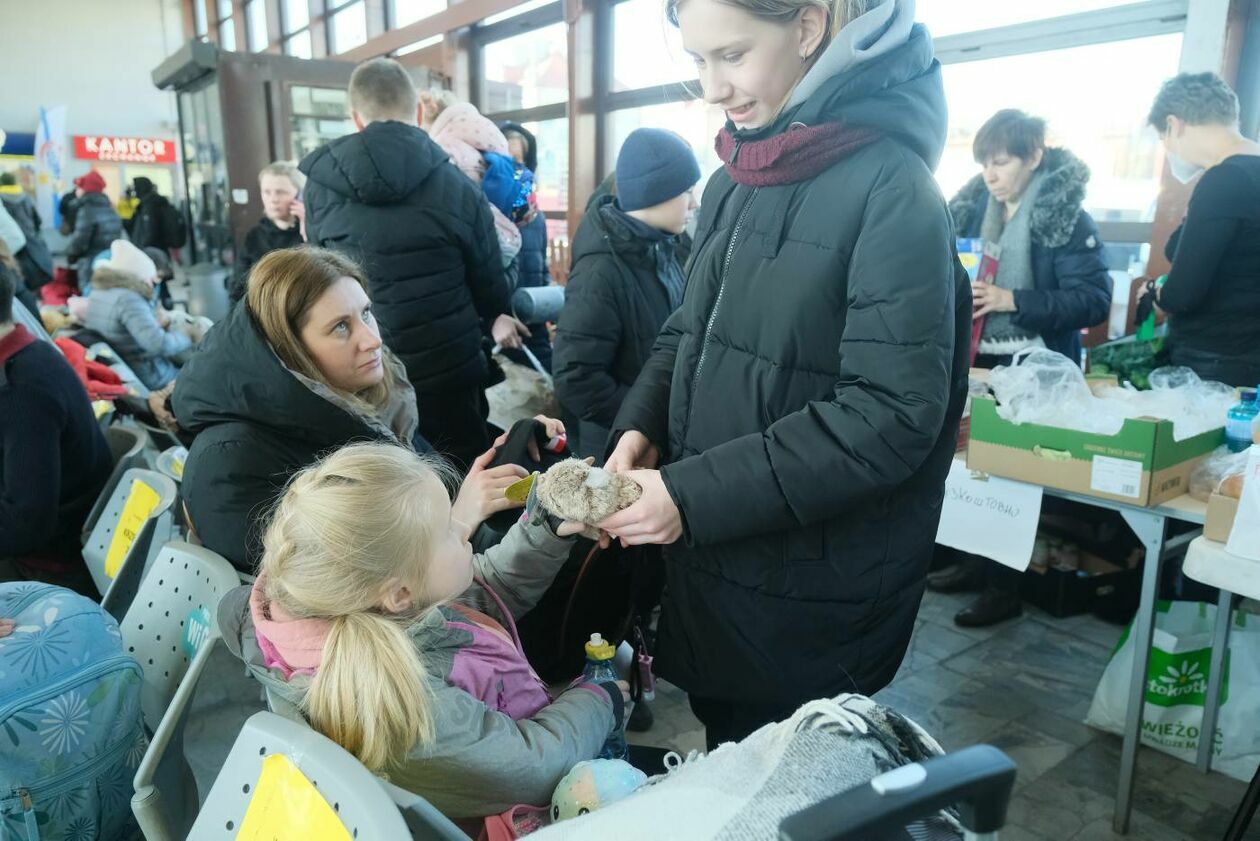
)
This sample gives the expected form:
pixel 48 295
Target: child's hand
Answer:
pixel 481 494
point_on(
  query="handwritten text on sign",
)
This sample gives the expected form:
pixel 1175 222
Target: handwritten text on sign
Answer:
pixel 991 517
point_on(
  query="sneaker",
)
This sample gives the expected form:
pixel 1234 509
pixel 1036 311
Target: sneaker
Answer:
pixel 992 607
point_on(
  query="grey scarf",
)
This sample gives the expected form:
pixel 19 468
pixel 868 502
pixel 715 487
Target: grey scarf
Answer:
pixel 1001 335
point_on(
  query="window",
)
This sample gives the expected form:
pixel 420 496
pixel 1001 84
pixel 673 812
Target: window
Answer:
pixel 696 121
pixel 647 49
pixel 299 46
pixel 950 17
pixel 528 6
pixel 1094 99
pixel 256 24
pixel 227 35
pixel 199 15
pixel 526 70
pixel 419 45
pixel 349 27
pixel 552 178
pixel 410 11
pixel 318 115
pixel 296 15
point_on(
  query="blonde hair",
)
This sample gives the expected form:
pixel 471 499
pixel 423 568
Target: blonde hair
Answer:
pixel 435 101
pixel 347 529
pixel 839 12
pixel 285 169
pixel 281 291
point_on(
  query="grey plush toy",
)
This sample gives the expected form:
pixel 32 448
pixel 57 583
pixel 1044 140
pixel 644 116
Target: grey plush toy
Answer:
pixel 577 491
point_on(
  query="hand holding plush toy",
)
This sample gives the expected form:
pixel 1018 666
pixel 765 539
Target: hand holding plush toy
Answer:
pixel 578 491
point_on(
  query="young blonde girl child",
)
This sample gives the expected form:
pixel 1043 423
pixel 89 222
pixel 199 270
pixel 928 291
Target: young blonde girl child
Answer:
pixel 372 618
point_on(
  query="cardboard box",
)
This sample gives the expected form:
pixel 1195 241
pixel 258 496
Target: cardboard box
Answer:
pixel 1220 517
pixel 1142 464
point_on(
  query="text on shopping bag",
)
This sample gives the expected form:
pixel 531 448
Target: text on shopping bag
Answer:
pixel 139 506
pixel 991 517
pixel 286 805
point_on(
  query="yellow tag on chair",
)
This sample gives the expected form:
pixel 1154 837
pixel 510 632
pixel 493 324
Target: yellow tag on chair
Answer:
pixel 518 491
pixel 140 504
pixel 286 806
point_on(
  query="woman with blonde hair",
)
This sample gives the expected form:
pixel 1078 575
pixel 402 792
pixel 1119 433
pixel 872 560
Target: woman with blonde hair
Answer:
pixel 794 426
pixel 373 620
pixel 299 369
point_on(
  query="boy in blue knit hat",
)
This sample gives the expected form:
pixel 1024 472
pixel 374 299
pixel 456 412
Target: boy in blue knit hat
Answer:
pixel 625 280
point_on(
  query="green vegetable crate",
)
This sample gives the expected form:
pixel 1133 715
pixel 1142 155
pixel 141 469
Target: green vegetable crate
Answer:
pixel 1141 464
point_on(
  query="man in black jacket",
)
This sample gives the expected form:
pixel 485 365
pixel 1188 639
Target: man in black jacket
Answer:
pixel 156 223
pixel 388 198
pixel 280 186
pixel 53 458
pixel 625 280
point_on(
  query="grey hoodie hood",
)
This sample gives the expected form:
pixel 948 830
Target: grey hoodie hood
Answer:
pixel 874 34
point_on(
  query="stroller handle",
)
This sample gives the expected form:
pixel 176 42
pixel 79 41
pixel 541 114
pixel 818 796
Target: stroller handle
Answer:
pixel 978 780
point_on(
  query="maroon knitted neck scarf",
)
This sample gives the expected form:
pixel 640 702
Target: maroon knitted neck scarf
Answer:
pixel 797 154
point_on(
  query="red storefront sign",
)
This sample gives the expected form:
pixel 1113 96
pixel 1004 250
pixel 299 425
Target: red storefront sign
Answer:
pixel 136 150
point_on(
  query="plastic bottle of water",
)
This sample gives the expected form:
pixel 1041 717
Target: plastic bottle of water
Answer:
pixel 1239 422
pixel 599 669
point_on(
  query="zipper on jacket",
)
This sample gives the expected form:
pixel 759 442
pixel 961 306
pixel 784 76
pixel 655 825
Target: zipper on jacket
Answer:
pixel 717 303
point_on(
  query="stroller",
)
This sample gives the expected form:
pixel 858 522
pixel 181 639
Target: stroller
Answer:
pixel 977 781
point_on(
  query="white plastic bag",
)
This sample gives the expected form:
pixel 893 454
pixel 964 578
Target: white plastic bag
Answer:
pixel 1176 686
pixel 1244 538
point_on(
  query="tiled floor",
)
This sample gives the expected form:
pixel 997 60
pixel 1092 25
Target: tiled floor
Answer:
pixel 1023 686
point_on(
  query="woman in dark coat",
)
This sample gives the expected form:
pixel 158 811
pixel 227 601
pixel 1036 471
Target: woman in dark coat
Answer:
pixel 96 226
pixel 1051 283
pixel 803 402
pixel 309 374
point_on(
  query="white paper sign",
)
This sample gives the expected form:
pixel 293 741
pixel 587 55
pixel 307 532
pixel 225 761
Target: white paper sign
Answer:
pixel 240 196
pixel 991 517
pixel 1118 476
pixel 1244 539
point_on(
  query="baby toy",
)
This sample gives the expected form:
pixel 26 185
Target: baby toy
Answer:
pixel 592 785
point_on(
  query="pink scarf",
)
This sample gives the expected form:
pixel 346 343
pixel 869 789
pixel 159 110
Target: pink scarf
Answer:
pixel 294 646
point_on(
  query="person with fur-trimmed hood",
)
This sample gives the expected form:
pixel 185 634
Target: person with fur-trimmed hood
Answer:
pixel 1051 283
pixel 122 308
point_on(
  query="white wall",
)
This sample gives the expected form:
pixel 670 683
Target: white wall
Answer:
pixel 94 57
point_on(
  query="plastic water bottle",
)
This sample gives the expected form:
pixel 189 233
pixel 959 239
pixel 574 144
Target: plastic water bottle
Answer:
pixel 1239 422
pixel 599 669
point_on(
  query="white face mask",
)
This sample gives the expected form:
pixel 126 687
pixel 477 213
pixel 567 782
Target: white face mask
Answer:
pixel 1182 169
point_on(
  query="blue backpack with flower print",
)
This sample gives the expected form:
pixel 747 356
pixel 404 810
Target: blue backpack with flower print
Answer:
pixel 71 731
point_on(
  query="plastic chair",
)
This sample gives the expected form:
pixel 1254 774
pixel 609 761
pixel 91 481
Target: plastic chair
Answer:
pixel 370 809
pixel 120 588
pixel 126 449
pixel 171 631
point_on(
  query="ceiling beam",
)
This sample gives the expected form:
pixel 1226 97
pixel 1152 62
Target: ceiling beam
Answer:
pixel 458 16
